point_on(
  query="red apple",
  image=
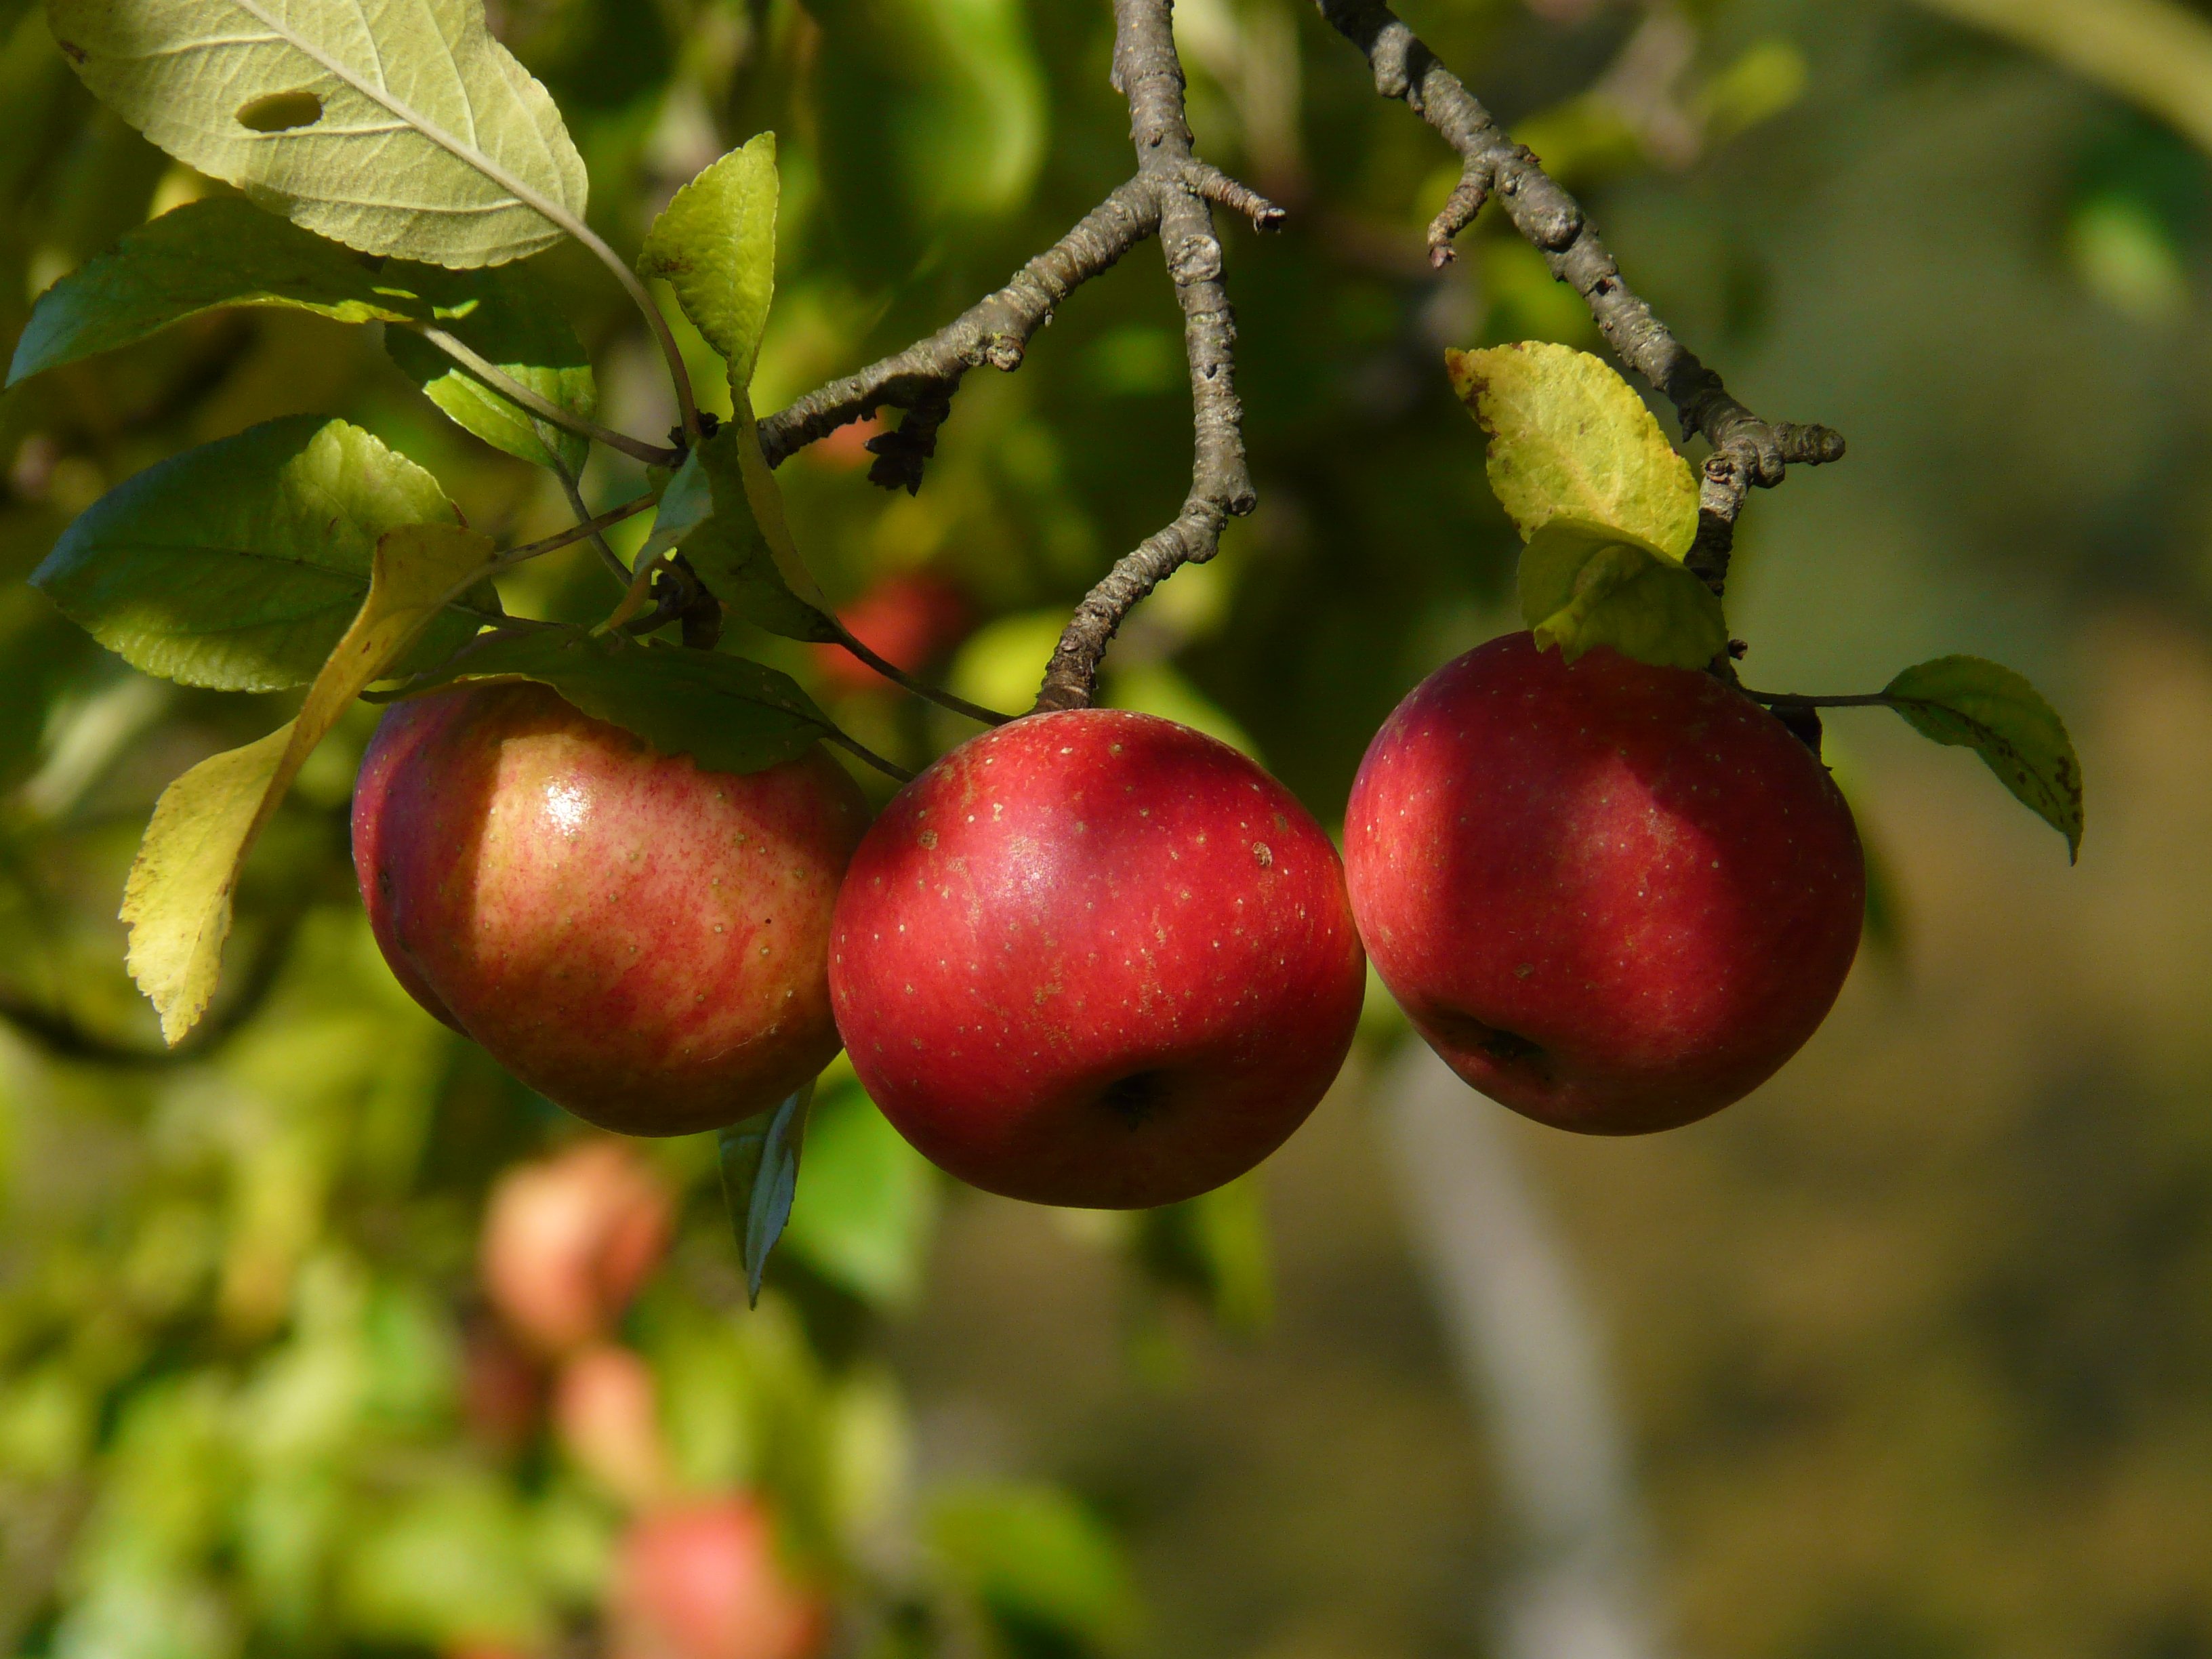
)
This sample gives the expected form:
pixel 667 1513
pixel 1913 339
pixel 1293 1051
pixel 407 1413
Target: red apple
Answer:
pixel 1613 897
pixel 641 940
pixel 1095 958
pixel 702 1581
pixel 606 1414
pixel 910 620
pixel 568 1240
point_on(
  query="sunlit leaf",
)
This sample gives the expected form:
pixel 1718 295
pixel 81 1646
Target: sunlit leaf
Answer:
pixel 177 900
pixel 1568 438
pixel 760 1177
pixel 511 319
pixel 402 129
pixel 1585 584
pixel 715 245
pixel 728 714
pixel 1995 712
pixel 451 1563
pixel 740 545
pixel 221 251
pixel 240 564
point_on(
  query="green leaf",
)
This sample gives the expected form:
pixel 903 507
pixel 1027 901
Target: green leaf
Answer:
pixel 1995 712
pixel 240 564
pixel 177 901
pixel 728 714
pixel 713 509
pixel 451 1564
pixel 221 251
pixel 715 244
pixel 1040 1564
pixel 1215 1245
pixel 402 129
pixel 759 1176
pixel 869 1203
pixel 1568 438
pixel 512 320
pixel 1585 584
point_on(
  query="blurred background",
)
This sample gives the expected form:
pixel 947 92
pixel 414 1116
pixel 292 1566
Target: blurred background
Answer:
pixel 321 1336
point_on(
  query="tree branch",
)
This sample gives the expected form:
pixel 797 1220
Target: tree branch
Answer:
pixel 1747 450
pixel 1147 71
pixel 995 331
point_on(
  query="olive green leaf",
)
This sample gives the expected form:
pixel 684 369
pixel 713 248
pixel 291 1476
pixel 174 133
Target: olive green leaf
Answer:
pixel 402 129
pixel 1568 438
pixel 513 321
pixel 177 901
pixel 1216 1246
pixel 870 1200
pixel 221 251
pixel 725 512
pixel 728 714
pixel 238 565
pixel 1585 584
pixel 715 244
pixel 760 1177
pixel 1995 712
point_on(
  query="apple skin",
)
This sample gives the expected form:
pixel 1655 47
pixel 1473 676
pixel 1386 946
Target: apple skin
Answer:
pixel 1615 898
pixel 702 1581
pixel 568 1240
pixel 1095 958
pixel 640 940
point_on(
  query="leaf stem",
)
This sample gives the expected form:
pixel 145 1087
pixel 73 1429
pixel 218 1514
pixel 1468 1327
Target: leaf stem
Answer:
pixel 853 746
pixel 891 671
pixel 1800 700
pixel 608 557
pixel 654 317
pixel 544 407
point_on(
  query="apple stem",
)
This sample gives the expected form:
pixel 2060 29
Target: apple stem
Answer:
pixel 891 671
pixel 859 751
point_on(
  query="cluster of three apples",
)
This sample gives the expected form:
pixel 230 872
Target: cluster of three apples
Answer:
pixel 1095 958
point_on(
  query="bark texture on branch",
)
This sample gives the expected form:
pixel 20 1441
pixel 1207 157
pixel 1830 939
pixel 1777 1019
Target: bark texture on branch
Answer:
pixel 1148 72
pixel 1747 450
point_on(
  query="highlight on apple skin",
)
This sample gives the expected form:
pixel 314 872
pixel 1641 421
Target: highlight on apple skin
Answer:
pixel 1613 897
pixel 642 941
pixel 1095 958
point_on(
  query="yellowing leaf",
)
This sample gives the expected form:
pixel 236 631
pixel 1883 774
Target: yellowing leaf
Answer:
pixel 1568 438
pixel 1989 708
pixel 715 243
pixel 1585 584
pixel 724 510
pixel 402 129
pixel 176 902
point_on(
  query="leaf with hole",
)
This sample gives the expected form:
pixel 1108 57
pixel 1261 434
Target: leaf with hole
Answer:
pixel 728 714
pixel 715 246
pixel 1585 584
pixel 511 319
pixel 1568 438
pixel 176 902
pixel 759 1176
pixel 401 129
pixel 725 514
pixel 239 565
pixel 1989 708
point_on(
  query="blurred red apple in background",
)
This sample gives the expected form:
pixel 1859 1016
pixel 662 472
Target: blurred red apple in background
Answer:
pixel 606 1414
pixel 503 1393
pixel 641 940
pixel 1613 897
pixel 568 1240
pixel 910 619
pixel 1096 958
pixel 702 1581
